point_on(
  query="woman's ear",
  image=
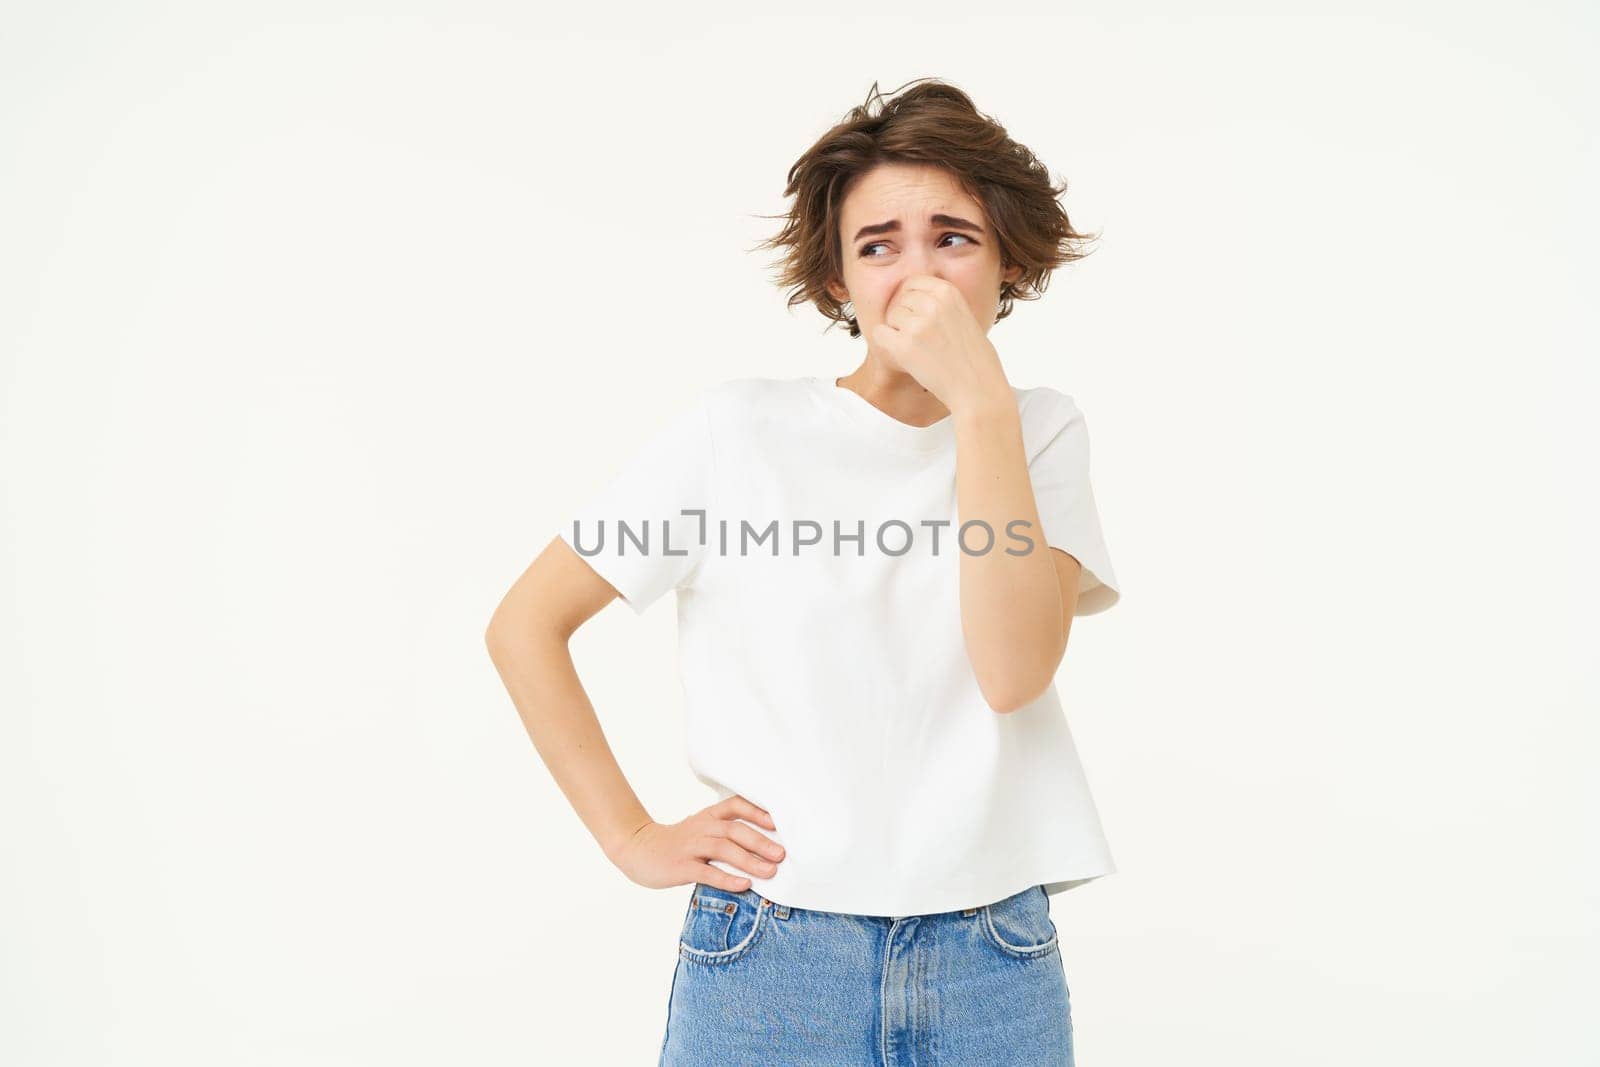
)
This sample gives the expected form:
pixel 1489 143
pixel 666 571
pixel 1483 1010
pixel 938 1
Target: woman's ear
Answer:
pixel 838 292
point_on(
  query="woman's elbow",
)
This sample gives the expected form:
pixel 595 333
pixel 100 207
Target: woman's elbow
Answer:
pixel 532 622
pixel 1014 693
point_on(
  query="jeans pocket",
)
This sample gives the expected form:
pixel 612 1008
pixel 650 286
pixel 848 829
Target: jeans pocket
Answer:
pixel 721 926
pixel 1020 925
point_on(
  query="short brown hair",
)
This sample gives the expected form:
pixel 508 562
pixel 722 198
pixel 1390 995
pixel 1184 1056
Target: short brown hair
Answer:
pixel 932 123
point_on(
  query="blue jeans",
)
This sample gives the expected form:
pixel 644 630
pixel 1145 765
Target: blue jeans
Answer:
pixel 760 984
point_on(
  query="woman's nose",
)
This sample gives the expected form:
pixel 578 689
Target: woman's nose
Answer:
pixel 918 262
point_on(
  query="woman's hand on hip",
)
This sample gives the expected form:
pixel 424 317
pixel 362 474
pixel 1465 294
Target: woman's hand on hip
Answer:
pixel 661 855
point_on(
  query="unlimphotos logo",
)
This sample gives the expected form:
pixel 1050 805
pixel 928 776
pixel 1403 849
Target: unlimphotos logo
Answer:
pixel 891 537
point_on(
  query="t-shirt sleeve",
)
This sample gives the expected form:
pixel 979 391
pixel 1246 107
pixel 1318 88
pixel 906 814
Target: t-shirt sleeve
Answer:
pixel 1062 491
pixel 633 530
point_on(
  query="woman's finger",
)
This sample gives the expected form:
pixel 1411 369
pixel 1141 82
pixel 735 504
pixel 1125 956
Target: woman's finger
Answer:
pixel 755 841
pixel 737 806
pixel 731 852
pixel 720 879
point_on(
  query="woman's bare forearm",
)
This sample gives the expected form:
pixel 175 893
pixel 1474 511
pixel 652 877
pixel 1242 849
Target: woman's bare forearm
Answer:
pixel 537 669
pixel 1011 612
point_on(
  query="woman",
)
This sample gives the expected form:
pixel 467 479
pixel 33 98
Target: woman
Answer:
pixel 876 575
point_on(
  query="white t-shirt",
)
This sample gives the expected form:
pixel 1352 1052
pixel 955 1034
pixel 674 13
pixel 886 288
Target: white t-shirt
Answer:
pixel 833 687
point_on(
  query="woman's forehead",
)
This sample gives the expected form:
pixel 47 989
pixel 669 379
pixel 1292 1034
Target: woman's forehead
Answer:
pixel 905 194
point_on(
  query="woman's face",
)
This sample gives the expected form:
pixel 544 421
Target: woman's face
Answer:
pixel 905 219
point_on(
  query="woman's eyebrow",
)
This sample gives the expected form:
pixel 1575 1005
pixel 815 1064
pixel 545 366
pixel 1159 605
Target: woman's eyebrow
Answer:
pixel 954 222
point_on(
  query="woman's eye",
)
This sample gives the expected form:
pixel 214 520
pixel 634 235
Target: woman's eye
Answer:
pixel 867 249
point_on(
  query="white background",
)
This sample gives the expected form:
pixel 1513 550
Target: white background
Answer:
pixel 318 318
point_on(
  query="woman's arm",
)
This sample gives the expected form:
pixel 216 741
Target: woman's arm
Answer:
pixel 528 639
pixel 1016 610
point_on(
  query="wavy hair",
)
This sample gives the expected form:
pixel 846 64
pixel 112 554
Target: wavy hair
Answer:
pixel 930 123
